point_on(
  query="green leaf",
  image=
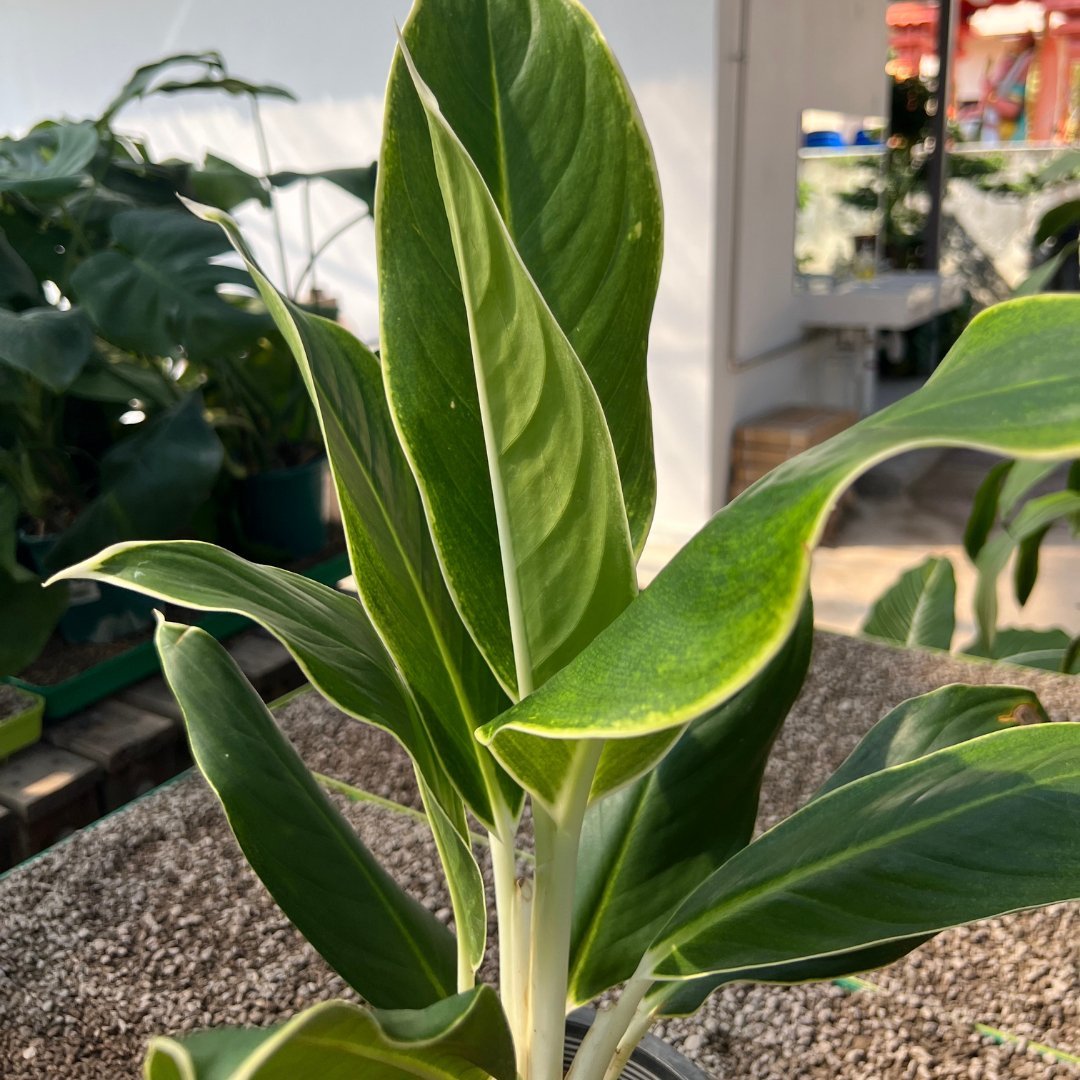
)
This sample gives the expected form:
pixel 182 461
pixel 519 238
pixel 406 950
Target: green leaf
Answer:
pixel 918 727
pixel 393 559
pixel 18 286
pixel 575 184
pixel 326 631
pixel 49 162
pixel 942 840
pixel 946 717
pixel 645 848
pixel 49 345
pixel 462 1038
pixel 1040 278
pixel 1032 519
pixel 562 529
pixel 1045 649
pixel 358 181
pixel 1023 476
pixel 152 482
pixel 1026 565
pixel 919 611
pixel 724 605
pixel 211 76
pixel 222 184
pixel 984 508
pixel 28 612
pixel 156 294
pixel 382 942
pixel 1056 220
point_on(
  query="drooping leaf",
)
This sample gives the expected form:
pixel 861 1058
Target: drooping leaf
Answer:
pixel 575 184
pixel 326 631
pixel 1031 520
pixel 462 1038
pixel 49 162
pixel 1026 564
pixel 915 728
pixel 645 848
pixel 211 75
pixel 984 508
pixel 723 606
pixel 393 559
pixel 49 345
pixel 385 944
pixel 156 293
pixel 1023 476
pixel 919 611
pixel 936 842
pixel 358 181
pixel 152 483
pixel 562 528
pixel 1039 279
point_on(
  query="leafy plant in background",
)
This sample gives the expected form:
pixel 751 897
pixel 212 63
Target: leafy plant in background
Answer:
pixel 495 472
pixel 1006 522
pixel 112 314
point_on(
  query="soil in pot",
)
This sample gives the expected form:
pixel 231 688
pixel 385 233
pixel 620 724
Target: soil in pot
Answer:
pixel 652 1060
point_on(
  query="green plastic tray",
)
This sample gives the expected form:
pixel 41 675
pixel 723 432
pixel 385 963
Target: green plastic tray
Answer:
pixel 141 661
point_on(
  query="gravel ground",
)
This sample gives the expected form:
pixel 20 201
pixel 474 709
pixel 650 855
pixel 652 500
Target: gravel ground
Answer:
pixel 150 922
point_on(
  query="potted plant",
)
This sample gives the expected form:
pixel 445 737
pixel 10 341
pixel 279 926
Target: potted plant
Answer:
pixel 127 375
pixel 494 467
pixel 1010 518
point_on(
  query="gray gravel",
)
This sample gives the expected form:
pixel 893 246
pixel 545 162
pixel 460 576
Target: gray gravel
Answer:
pixel 151 922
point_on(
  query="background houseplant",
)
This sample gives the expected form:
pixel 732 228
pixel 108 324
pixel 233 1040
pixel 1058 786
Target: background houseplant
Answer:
pixel 495 472
pixel 127 375
pixel 1008 521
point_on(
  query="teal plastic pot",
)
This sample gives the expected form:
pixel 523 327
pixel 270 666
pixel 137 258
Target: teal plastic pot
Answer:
pixel 285 509
pixel 96 612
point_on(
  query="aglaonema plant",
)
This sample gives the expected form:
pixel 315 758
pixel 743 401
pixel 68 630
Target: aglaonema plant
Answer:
pixel 495 471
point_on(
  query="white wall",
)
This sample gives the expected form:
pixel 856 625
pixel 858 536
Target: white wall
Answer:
pixel 776 58
pixel 335 54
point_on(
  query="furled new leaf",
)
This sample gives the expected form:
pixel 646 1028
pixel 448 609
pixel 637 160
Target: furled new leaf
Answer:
pixel 724 605
pixel 575 185
pixel 645 848
pixel 462 1038
pixel 303 850
pixel 936 842
pixel 919 611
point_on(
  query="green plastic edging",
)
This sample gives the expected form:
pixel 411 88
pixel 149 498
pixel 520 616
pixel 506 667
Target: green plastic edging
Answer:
pixel 141 661
pixel 23 729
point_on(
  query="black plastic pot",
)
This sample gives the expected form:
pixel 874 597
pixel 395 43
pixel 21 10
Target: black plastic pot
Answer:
pixel 285 509
pixel 652 1060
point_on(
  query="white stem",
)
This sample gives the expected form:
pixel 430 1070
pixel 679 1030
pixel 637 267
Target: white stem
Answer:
pixel 638 1029
pixel 558 835
pixel 608 1031
pixel 504 872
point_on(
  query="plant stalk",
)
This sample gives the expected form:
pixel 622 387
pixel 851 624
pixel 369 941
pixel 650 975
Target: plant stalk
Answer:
pixel 637 1030
pixel 340 231
pixel 504 873
pixel 264 162
pixel 609 1032
pixel 558 836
